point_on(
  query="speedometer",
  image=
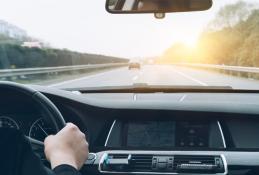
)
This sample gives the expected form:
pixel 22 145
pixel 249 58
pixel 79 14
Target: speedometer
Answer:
pixel 40 130
pixel 7 122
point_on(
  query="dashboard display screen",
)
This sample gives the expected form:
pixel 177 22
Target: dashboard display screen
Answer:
pixel 168 134
pixel 151 134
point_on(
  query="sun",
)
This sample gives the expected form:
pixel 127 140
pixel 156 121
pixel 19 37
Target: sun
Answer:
pixel 192 43
pixel 187 37
pixel 188 40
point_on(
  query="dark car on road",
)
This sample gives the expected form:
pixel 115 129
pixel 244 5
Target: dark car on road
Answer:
pixel 134 65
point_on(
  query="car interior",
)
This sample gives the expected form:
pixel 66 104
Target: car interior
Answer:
pixel 153 133
pixel 142 130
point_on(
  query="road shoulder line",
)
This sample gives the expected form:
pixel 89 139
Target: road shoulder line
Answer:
pixel 191 78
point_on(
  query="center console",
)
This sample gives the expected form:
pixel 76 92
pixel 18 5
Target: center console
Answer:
pixel 137 163
pixel 180 145
pixel 184 135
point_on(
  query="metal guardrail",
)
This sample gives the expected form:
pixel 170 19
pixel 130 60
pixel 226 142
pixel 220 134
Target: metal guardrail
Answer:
pixel 222 67
pixel 46 70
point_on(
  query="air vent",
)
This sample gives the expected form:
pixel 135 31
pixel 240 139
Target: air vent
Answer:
pixel 182 159
pixel 141 162
pixel 164 164
pixel 201 164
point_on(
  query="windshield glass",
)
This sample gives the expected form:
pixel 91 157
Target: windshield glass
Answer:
pixel 77 44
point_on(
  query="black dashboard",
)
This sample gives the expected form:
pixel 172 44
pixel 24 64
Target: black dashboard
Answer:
pixel 160 135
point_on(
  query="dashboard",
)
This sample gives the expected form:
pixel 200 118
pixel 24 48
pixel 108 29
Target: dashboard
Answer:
pixel 166 134
pixel 155 136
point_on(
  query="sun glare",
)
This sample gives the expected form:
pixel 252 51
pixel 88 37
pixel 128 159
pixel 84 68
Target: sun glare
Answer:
pixel 189 40
pixel 190 43
pixel 188 37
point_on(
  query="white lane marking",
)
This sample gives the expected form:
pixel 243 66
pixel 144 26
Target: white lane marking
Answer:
pixel 79 79
pixel 191 78
pixel 182 98
pixel 135 97
pixel 135 78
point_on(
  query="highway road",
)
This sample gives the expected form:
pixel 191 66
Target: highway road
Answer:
pixel 160 75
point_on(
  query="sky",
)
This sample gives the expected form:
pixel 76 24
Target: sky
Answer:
pixel 85 26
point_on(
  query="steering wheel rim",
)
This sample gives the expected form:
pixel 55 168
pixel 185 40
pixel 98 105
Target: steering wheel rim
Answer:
pixel 51 112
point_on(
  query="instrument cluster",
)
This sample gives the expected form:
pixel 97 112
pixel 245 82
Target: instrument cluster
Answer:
pixel 37 129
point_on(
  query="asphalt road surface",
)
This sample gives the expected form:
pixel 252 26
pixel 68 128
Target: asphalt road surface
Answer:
pixel 160 75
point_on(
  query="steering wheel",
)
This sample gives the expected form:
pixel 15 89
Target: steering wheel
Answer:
pixel 50 111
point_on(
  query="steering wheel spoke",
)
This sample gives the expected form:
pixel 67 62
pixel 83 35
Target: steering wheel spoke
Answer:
pixel 37 147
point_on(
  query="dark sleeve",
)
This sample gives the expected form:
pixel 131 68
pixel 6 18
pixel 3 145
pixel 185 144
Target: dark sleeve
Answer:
pixel 66 170
pixel 17 157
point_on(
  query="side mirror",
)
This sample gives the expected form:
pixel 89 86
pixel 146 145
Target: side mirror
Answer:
pixel 156 6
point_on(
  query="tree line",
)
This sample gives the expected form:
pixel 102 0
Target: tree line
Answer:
pixel 15 56
pixel 232 38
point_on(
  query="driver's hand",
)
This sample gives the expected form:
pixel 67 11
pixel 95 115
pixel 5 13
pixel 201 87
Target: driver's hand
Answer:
pixel 68 146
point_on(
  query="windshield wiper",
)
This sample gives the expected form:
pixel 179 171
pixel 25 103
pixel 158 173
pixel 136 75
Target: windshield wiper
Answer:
pixel 145 88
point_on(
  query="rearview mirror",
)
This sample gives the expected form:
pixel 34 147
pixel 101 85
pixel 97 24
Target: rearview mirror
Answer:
pixel 156 6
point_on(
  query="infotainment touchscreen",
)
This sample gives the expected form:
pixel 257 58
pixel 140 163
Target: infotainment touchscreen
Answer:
pixel 168 134
pixel 151 134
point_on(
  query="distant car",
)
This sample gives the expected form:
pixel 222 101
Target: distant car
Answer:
pixel 134 65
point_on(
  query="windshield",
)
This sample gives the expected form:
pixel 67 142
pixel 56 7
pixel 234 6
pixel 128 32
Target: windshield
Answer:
pixel 77 44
